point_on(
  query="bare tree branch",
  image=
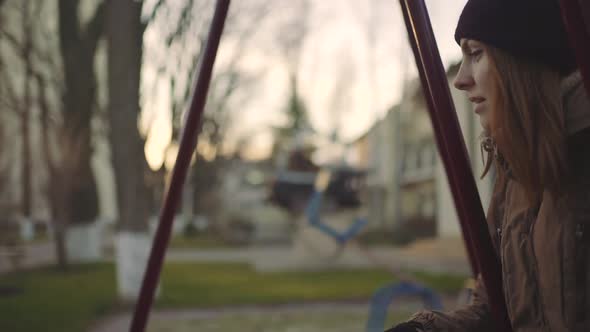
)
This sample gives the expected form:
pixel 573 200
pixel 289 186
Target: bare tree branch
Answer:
pixel 154 12
pixel 185 21
pixel 45 121
pixel 11 100
pixel 11 39
pixel 95 28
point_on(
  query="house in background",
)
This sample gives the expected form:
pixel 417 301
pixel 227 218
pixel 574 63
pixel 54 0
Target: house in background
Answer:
pixel 406 178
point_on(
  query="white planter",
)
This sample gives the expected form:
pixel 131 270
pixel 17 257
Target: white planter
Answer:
pixel 131 256
pixel 84 243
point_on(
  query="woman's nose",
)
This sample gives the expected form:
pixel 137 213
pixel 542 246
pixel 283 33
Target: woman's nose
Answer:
pixel 463 81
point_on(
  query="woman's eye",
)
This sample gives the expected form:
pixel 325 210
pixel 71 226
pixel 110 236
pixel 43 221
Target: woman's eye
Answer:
pixel 475 54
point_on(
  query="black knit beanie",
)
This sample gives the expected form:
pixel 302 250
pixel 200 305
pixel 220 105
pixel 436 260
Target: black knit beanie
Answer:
pixel 532 29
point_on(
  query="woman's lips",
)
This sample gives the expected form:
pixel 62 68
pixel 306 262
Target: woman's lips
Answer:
pixel 478 108
pixel 477 101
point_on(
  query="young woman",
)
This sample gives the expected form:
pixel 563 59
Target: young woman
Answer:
pixel 520 75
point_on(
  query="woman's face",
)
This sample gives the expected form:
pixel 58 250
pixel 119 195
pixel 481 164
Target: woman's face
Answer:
pixel 475 78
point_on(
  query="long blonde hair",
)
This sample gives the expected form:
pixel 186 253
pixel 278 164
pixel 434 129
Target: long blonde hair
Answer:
pixel 527 125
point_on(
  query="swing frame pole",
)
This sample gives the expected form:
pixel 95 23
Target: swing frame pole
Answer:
pixel 189 136
pixel 445 123
pixel 579 35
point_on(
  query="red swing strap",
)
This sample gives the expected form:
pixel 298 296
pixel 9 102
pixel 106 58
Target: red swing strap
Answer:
pixel 454 155
pixel 187 147
pixel 574 12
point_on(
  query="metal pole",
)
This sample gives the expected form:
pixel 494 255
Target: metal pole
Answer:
pixel 578 32
pixel 441 141
pixel 187 147
pixel 455 159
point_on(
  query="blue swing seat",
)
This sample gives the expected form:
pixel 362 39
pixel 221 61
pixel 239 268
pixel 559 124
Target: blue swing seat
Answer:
pixel 386 295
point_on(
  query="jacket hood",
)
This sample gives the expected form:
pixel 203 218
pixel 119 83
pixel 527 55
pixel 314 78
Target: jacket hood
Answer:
pixel 576 104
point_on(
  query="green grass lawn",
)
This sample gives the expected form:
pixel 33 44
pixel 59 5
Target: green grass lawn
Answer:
pixel 199 241
pixel 350 320
pixel 190 285
pixel 57 301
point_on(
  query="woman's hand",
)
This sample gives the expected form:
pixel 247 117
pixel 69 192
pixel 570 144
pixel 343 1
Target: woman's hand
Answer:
pixel 407 327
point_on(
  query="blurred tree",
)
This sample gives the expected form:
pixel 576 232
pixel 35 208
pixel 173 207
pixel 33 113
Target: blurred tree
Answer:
pixel 78 201
pixel 182 27
pixel 297 124
pixel 231 83
pixel 290 40
pixel 124 30
pixel 54 192
pixel 10 105
pixel 19 99
pixel 26 50
pixel 292 33
pixel 5 201
pixel 184 36
pixel 180 34
pixel 78 44
pixel 296 110
pixel 30 80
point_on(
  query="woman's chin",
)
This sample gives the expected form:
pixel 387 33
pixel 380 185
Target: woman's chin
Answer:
pixel 484 123
pixel 486 128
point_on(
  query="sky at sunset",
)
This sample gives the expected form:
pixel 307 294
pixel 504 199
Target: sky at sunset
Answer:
pixel 336 56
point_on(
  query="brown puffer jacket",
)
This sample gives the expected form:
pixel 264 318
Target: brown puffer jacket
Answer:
pixel 544 250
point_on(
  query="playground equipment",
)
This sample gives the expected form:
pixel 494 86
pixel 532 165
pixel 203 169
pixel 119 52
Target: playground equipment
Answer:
pixel 291 189
pixel 386 295
pixel 447 132
pixel 313 209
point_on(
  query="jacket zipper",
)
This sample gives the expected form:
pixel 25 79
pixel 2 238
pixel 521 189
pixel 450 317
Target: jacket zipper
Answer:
pixel 536 270
pixel 580 253
pixel 505 284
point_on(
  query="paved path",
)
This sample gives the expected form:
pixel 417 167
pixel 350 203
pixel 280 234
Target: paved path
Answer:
pixel 168 320
pixel 121 322
pixel 288 258
pixel 36 255
pixel 434 256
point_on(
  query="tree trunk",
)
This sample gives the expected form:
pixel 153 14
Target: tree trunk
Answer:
pixel 26 199
pixel 78 50
pixel 60 246
pixel 54 190
pixel 124 32
pixel 74 180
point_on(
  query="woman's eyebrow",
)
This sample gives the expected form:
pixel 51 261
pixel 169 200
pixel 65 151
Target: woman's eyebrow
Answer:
pixel 465 47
